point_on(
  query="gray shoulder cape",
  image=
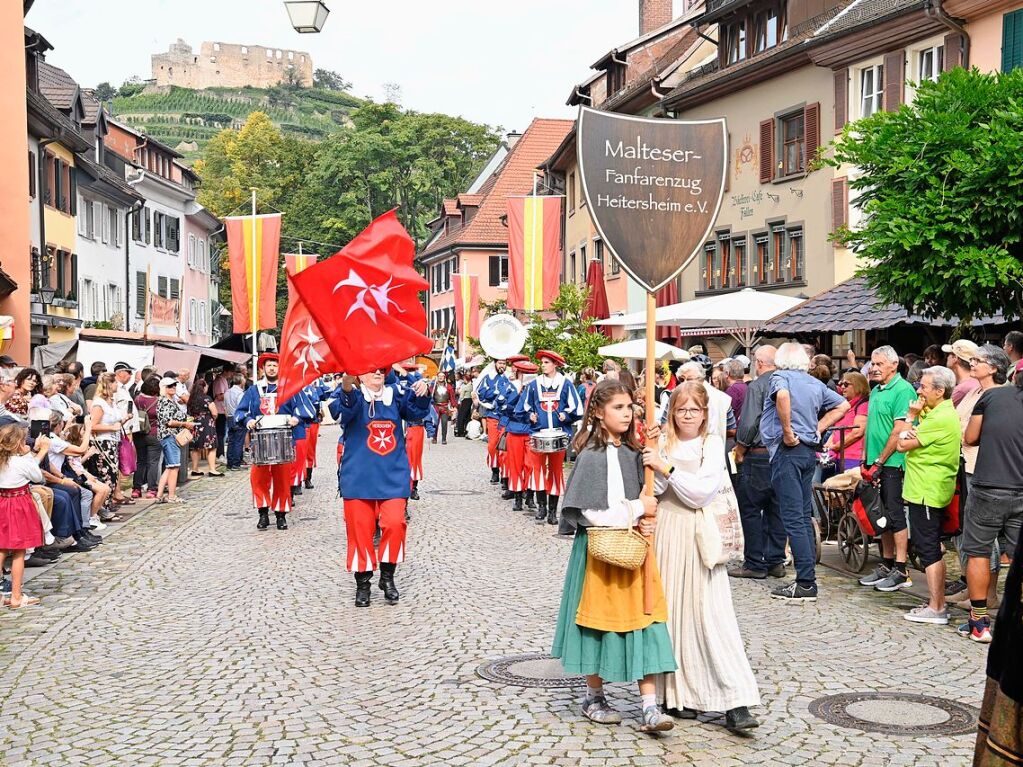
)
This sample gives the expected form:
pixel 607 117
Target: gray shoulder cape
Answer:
pixel 587 484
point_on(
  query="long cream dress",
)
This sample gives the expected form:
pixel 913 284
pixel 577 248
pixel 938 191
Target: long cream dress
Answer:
pixel 714 673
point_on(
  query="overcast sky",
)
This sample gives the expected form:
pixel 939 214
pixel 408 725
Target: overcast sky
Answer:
pixel 501 62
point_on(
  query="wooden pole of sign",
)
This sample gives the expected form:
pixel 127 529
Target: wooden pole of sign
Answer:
pixel 651 420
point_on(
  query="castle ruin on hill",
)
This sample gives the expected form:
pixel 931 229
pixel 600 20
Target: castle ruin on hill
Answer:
pixel 227 65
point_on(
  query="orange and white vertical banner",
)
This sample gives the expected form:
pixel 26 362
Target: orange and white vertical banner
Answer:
pixel 467 308
pixel 253 251
pixel 534 251
pixel 293 264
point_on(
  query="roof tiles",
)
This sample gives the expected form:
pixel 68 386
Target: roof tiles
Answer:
pixel 57 86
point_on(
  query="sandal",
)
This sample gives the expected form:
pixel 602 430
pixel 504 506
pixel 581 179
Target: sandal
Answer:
pixel 173 499
pixel 596 709
pixel 655 721
pixel 124 502
pixel 26 601
pixel 215 474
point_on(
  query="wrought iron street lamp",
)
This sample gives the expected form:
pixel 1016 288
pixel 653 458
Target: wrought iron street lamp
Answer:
pixel 46 296
pixel 307 15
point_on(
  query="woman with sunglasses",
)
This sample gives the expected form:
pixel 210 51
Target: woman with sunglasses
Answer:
pixel 375 473
pixel 848 444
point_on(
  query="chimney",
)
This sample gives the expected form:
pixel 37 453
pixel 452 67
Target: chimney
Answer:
pixel 653 14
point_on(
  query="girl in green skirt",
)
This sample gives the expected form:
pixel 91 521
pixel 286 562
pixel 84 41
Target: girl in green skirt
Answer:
pixel 603 631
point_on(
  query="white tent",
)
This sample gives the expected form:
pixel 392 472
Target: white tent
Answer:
pixel 636 350
pixel 740 314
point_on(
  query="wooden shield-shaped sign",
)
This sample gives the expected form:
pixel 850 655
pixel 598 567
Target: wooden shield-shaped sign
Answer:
pixel 653 187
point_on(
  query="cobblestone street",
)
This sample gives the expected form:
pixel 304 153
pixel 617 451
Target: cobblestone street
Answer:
pixel 189 638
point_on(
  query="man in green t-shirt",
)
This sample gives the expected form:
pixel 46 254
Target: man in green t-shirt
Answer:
pixel 889 405
pixel 932 449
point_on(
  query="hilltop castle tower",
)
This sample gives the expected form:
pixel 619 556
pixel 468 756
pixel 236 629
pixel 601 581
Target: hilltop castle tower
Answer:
pixel 229 66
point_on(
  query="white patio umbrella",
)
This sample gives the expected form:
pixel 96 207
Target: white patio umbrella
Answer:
pixel 636 350
pixel 740 314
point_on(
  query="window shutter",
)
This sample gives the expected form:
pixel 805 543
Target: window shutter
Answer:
pixel 161 286
pixel 51 178
pixel 83 220
pixel 73 193
pixel 32 172
pixel 74 276
pixel 894 80
pixel 1012 41
pixel 953 51
pixel 812 131
pixel 140 294
pixel 104 222
pixel 148 221
pixel 839 204
pixel 175 288
pixel 65 195
pixel 495 271
pixel 766 151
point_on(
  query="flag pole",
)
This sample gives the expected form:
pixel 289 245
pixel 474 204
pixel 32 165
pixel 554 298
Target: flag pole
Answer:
pixel 651 416
pixel 145 328
pixel 254 292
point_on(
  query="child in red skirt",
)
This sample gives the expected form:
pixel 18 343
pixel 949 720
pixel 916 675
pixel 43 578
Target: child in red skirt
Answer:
pixel 20 528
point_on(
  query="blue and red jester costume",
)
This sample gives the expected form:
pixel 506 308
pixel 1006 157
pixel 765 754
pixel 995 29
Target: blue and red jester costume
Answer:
pixel 375 473
pixel 304 406
pixel 415 431
pixel 517 437
pixel 548 402
pixel 492 384
pixel 271 485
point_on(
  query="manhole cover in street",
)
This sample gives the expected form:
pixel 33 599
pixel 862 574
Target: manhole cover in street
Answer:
pixel 532 670
pixel 455 492
pixel 896 713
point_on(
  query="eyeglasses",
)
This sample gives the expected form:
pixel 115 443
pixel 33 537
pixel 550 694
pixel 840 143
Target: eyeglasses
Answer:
pixel 688 412
pixel 842 384
pixel 381 371
pixel 978 361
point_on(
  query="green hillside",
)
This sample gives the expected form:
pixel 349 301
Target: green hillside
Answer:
pixel 181 114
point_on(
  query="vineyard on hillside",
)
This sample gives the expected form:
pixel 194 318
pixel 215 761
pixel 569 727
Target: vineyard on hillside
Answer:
pixel 179 115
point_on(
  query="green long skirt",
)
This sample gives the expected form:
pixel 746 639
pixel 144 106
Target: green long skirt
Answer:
pixel 612 655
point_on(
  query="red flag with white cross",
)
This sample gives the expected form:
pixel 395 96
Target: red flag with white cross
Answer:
pixel 305 355
pixel 365 298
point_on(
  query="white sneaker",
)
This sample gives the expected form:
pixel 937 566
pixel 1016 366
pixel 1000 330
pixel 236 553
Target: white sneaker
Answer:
pixel 95 524
pixel 48 538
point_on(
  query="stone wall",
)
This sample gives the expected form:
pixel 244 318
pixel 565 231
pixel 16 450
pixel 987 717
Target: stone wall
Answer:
pixel 228 65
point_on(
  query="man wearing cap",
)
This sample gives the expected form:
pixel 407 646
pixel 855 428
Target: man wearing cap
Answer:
pixel 549 402
pixel 271 485
pixel 517 439
pixel 375 473
pixel 122 396
pixel 505 414
pixel 958 361
pixel 493 382
pixel 7 362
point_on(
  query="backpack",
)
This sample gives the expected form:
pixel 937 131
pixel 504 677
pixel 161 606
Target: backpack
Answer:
pixel 868 509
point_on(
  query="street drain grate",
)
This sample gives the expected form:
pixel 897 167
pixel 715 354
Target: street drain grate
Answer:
pixel 532 670
pixel 455 492
pixel 896 713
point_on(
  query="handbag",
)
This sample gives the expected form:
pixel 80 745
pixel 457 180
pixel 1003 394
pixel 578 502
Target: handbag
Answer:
pixel 952 521
pixel 183 437
pixel 619 546
pixel 869 511
pixel 719 536
pixel 127 458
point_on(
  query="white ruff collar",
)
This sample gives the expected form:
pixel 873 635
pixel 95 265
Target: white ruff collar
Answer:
pixel 556 380
pixel 385 395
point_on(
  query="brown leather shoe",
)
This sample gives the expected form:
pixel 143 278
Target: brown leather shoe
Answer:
pixel 745 572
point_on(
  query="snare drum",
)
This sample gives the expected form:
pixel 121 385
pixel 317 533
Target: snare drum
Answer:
pixel 273 445
pixel 549 441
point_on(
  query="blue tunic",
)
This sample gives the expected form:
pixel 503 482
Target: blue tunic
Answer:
pixel 375 466
pixel 511 419
pixel 301 406
pixel 489 391
pixel 549 399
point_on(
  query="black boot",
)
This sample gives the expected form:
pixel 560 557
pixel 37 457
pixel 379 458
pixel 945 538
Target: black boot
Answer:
pixel 362 586
pixel 518 502
pixel 296 490
pixel 507 495
pixel 530 503
pixel 282 520
pixel 739 719
pixel 552 509
pixel 495 476
pixel 387 582
pixel 414 495
pixel 541 507
pixel 308 479
pixel 264 519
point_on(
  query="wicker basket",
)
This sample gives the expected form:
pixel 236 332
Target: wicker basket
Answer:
pixel 618 546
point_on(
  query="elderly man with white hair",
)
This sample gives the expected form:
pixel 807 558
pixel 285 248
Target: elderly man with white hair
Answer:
pixel 791 430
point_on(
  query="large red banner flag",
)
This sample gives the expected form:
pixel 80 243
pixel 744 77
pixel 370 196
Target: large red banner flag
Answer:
pixel 293 264
pixel 467 306
pixel 534 252
pixel 365 298
pixel 253 249
pixel 305 355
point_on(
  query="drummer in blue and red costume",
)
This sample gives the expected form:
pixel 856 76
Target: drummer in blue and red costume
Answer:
pixel 551 402
pixel 517 439
pixel 375 473
pixel 493 383
pixel 271 485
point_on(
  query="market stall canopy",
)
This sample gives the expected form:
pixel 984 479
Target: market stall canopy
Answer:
pixel 741 309
pixel 636 350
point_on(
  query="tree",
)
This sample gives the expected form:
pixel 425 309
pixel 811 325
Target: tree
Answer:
pixel 280 96
pixel 330 80
pixel 941 192
pixel 292 78
pixel 105 92
pixel 130 87
pixel 568 333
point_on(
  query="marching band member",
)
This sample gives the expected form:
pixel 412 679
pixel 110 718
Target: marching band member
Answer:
pixel 517 440
pixel 415 433
pixel 304 406
pixel 271 485
pixel 492 383
pixel 375 473
pixel 318 392
pixel 550 401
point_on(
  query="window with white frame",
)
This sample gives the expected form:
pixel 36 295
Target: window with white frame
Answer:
pixel 191 250
pixel 115 232
pixel 203 257
pixel 86 306
pixel 930 63
pixel 202 317
pixel 871 89
pixel 191 315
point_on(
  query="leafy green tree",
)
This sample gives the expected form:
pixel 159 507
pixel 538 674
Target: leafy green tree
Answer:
pixel 330 80
pixel 568 333
pixel 942 196
pixel 105 92
pixel 130 87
